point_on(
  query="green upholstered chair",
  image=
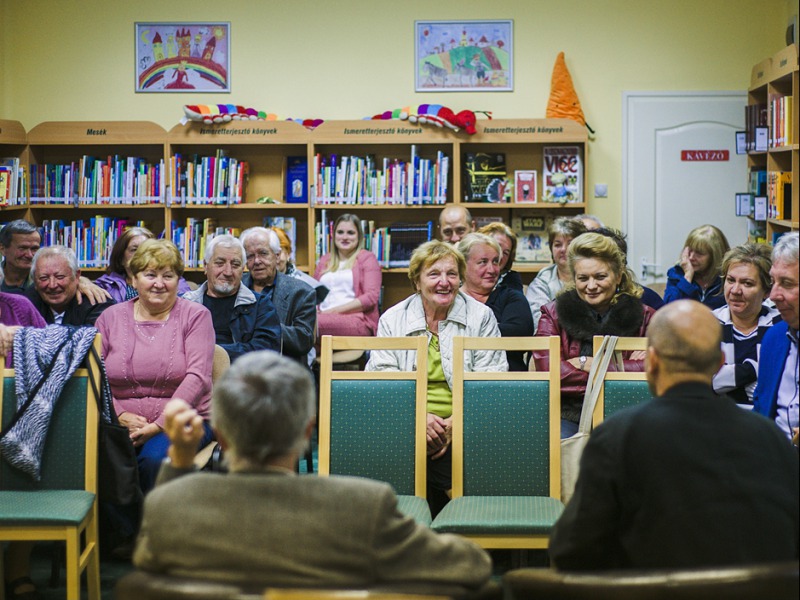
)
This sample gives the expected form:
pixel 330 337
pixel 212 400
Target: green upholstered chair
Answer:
pixel 372 424
pixel 506 449
pixel 63 505
pixel 621 389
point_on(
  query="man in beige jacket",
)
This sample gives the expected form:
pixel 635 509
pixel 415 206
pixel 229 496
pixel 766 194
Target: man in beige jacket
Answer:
pixel 263 524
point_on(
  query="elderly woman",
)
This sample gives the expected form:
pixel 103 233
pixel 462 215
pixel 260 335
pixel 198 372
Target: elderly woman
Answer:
pixel 156 347
pixel 510 308
pixel 440 311
pixel 552 279
pixel 601 299
pixel 744 318
pixel 697 275
pixel 507 240
pixel 353 277
pixel 118 279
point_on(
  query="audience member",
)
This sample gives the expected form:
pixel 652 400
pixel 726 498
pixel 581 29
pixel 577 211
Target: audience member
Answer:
pixel 243 321
pixel 744 319
pixel 602 299
pixel 551 280
pixel 440 311
pixel 591 222
pixel 510 308
pixel 454 223
pixel 55 289
pixel 507 240
pixel 287 267
pixel 776 394
pixel 15 311
pixel 697 275
pixel 156 347
pixel 261 524
pixel 294 300
pixel 354 279
pixel 687 480
pixel 118 279
pixel 19 241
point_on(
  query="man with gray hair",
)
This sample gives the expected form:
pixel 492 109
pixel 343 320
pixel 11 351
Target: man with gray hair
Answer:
pixel 776 393
pixel 54 293
pixel 243 321
pixel 686 480
pixel 294 300
pixel 262 524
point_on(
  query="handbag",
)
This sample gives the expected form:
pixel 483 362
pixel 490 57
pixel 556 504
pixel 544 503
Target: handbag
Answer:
pixel 117 467
pixel 572 447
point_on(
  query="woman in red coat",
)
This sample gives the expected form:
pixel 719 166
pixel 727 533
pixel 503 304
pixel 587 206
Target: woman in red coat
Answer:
pixel 602 299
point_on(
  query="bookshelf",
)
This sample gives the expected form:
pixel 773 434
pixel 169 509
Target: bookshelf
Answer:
pixel 13 156
pixel 773 94
pixel 267 148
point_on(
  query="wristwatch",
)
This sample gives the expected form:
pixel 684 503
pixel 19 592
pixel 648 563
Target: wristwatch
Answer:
pixel 582 362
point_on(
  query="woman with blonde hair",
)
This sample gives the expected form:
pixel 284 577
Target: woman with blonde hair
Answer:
pixel 697 275
pixel 603 298
pixel 353 278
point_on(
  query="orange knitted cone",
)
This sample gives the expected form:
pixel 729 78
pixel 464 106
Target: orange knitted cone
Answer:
pixel 563 102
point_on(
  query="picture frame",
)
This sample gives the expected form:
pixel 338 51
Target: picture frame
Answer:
pixel 464 56
pixel 525 186
pixel 744 205
pixel 188 57
pixel 741 142
pixel 761 139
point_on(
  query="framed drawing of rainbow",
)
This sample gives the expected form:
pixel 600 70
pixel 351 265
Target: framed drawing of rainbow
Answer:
pixel 183 57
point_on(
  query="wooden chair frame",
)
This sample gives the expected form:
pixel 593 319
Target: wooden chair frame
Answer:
pixel 418 344
pixel 624 344
pixel 553 376
pixel 77 560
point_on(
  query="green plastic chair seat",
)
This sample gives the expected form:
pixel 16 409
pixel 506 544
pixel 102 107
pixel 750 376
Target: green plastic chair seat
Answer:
pixel 46 507
pixel 416 508
pixel 499 515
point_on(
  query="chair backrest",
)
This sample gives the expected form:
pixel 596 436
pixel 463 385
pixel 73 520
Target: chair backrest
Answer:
pixel 222 361
pixel 506 426
pixel 372 424
pixel 69 459
pixel 621 389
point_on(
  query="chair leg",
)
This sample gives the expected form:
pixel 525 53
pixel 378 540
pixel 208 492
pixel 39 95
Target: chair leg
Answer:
pixel 73 570
pixel 93 560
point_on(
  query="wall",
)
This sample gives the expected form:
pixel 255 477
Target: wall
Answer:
pixel 73 60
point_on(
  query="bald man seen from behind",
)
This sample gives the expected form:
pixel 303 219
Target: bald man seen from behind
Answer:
pixel 687 480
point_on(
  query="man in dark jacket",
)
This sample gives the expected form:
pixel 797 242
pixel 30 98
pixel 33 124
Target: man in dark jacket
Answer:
pixel 243 321
pixel 688 479
pixel 54 292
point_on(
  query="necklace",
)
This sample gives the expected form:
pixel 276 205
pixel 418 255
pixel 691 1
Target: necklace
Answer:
pixel 155 328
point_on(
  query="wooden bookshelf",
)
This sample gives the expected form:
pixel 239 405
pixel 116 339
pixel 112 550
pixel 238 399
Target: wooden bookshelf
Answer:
pixel 770 79
pixel 266 146
pixel 13 144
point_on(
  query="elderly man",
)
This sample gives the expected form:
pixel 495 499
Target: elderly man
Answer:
pixel 243 321
pixel 454 223
pixel 56 277
pixel 688 479
pixel 776 394
pixel 262 524
pixel 294 300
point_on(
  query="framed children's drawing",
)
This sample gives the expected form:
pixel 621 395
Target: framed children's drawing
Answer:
pixel 464 56
pixel 183 57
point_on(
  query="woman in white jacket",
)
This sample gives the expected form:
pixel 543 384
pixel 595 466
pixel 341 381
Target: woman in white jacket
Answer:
pixel 440 311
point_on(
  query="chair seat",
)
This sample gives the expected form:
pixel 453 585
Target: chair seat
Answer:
pixel 416 508
pixel 44 507
pixel 499 515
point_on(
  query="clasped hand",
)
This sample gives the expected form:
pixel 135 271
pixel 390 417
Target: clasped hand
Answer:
pixel 184 428
pixel 439 435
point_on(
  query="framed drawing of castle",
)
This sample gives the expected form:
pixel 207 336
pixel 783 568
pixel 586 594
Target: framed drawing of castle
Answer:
pixel 464 56
pixel 183 57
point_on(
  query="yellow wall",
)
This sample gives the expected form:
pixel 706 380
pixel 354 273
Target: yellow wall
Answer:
pixel 342 59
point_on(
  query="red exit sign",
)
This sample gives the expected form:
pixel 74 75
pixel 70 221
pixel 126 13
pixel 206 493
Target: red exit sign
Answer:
pixel 705 155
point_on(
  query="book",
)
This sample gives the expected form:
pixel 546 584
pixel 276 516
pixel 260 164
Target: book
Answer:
pixel 485 177
pixel 531 231
pixel 289 226
pixel 297 179
pixel 404 238
pixel 525 187
pixel 562 175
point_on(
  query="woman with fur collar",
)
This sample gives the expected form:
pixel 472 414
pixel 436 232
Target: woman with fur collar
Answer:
pixel 603 298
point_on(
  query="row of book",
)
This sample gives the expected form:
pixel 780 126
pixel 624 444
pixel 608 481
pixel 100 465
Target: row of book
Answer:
pixel 770 195
pixel 13 182
pixel 289 226
pixel 116 180
pixel 91 239
pixel 207 180
pixel 364 180
pixel 486 178
pixel 768 125
pixel 192 237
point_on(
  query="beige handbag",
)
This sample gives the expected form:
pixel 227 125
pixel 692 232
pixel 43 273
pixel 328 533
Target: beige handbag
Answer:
pixel 572 447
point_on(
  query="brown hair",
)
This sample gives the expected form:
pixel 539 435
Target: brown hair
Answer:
pixel 497 227
pixel 758 255
pixel 157 254
pixel 116 262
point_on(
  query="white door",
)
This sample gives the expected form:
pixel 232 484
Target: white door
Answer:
pixel 680 170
